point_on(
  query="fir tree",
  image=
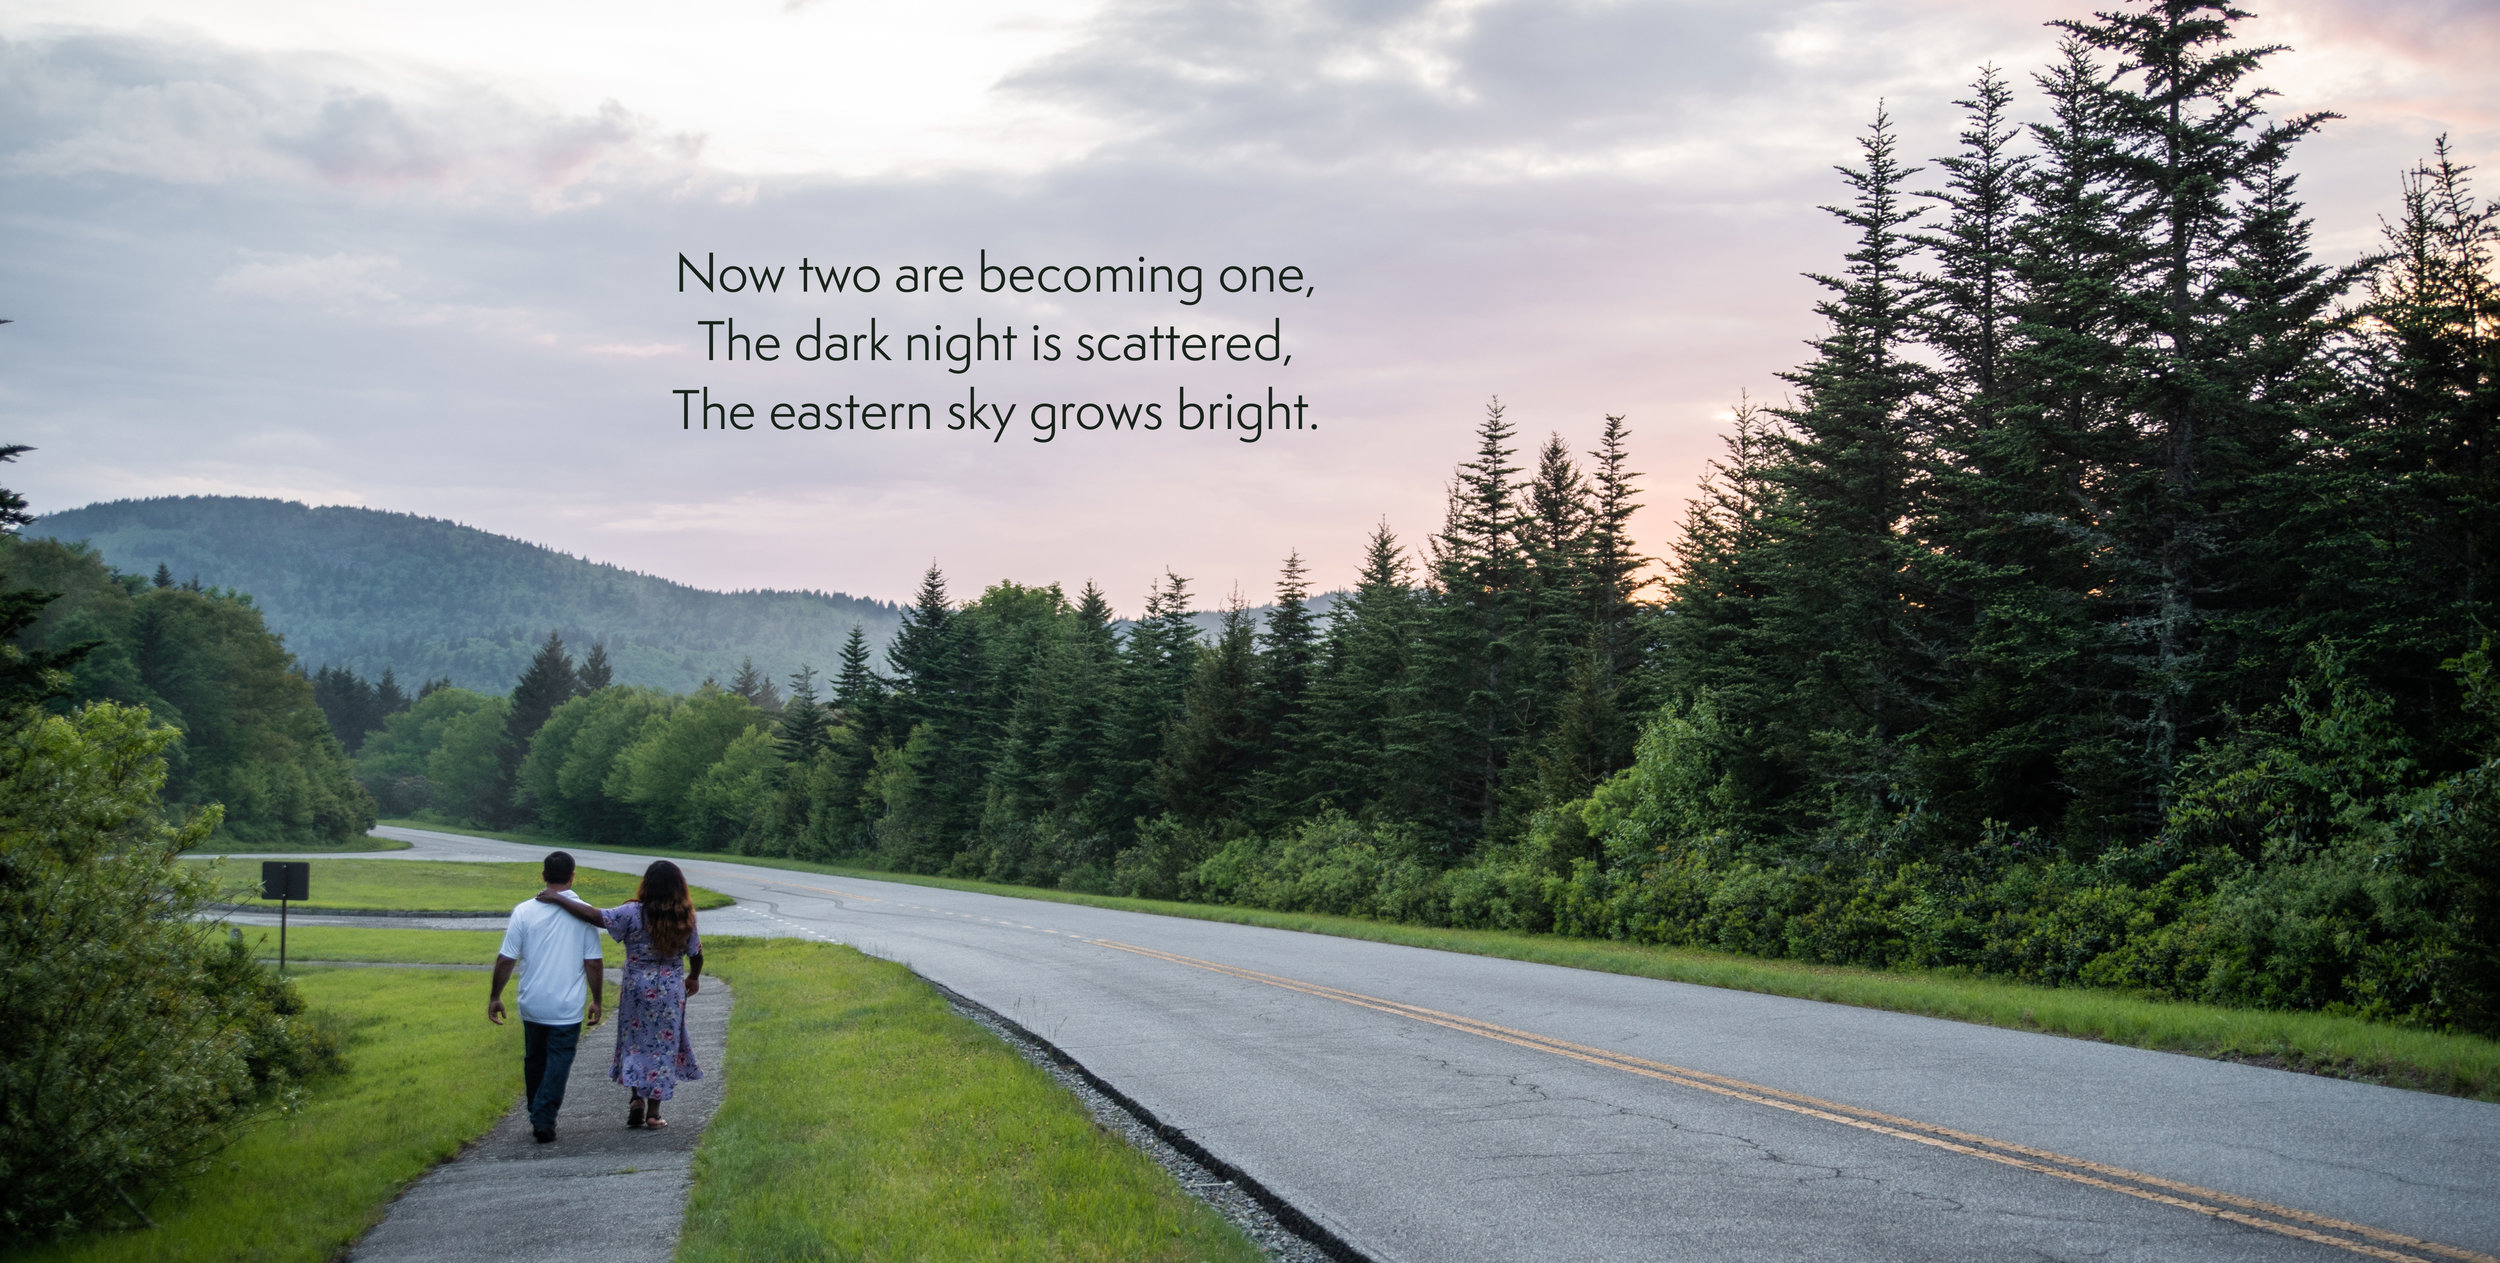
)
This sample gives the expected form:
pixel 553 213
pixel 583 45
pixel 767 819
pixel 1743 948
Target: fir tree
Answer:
pixel 164 576
pixel 548 682
pixel 1369 750
pixel 1212 748
pixel 1289 651
pixel 753 685
pixel 596 672
pixel 800 732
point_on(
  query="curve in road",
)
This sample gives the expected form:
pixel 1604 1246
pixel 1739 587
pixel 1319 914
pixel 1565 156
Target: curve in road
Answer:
pixel 1426 1105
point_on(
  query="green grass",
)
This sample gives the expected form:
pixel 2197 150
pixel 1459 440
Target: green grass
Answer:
pixel 361 846
pixel 866 1120
pixel 425 1075
pixel 2314 1043
pixel 428 947
pixel 433 886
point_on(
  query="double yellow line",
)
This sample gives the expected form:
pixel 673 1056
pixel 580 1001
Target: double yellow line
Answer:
pixel 2358 1238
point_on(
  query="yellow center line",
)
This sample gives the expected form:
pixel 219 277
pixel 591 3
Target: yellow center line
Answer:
pixel 2204 1201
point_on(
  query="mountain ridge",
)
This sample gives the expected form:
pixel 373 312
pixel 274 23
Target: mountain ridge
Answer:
pixel 430 598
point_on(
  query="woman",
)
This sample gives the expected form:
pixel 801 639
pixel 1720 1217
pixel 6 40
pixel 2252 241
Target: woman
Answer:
pixel 656 927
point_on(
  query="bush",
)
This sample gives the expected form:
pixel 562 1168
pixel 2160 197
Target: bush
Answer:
pixel 132 1042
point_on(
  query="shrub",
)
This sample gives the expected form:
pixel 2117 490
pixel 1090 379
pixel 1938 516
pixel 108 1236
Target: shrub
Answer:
pixel 132 1042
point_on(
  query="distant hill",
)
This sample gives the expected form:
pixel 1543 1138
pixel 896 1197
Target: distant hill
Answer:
pixel 430 598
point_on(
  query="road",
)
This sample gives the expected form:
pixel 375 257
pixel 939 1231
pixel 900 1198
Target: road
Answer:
pixel 1442 1108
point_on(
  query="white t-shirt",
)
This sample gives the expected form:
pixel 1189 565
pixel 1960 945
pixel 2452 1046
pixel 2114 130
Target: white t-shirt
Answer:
pixel 551 947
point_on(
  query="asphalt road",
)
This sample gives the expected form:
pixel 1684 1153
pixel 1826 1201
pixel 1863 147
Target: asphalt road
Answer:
pixel 1445 1108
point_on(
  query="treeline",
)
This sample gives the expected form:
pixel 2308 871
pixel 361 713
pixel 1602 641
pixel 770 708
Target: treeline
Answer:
pixel 251 738
pixel 2105 604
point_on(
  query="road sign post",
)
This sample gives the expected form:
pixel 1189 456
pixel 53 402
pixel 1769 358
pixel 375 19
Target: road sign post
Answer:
pixel 284 880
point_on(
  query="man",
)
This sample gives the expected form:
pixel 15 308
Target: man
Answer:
pixel 548 943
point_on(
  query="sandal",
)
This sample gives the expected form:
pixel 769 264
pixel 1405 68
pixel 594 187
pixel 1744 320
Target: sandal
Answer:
pixel 633 1115
pixel 656 1123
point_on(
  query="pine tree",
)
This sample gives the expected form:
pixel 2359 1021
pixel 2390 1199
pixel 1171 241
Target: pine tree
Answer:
pixel 596 672
pixel 800 732
pixel 1368 744
pixel 1840 614
pixel 1289 654
pixel 387 698
pixel 1079 747
pixel 753 685
pixel 1156 663
pixel 1212 748
pixel 1481 645
pixel 2188 141
pixel 548 682
pixel 858 692
pixel 164 576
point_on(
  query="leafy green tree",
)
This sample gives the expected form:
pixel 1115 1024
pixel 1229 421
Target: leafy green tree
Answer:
pixel 730 806
pixel 393 762
pixel 465 774
pixel 658 772
pixel 573 757
pixel 132 1043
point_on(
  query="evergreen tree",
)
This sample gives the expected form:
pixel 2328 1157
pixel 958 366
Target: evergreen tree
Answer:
pixel 800 732
pixel 1211 749
pixel 1156 663
pixel 547 683
pixel 387 699
pixel 2188 140
pixel 1369 748
pixel 164 576
pixel 1289 657
pixel 1839 607
pixel 756 687
pixel 1076 784
pixel 1481 646
pixel 596 672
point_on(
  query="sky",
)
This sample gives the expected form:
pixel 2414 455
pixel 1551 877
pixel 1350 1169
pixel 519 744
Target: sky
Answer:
pixel 426 258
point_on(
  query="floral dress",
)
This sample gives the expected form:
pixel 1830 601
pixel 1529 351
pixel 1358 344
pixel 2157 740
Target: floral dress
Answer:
pixel 653 1050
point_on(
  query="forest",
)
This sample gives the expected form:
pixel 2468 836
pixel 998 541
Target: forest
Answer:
pixel 369 591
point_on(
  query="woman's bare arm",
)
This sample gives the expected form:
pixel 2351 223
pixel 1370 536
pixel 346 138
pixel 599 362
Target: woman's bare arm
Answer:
pixel 568 901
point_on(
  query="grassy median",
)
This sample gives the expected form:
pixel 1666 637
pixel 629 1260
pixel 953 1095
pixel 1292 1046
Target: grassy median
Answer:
pixel 866 1120
pixel 425 1076
pixel 431 885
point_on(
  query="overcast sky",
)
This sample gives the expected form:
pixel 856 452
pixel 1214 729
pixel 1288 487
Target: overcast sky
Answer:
pixel 424 257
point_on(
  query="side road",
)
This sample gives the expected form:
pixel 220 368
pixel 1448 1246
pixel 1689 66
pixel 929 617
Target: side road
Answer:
pixel 600 1194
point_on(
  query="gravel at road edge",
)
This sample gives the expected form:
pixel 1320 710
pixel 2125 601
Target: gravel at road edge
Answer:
pixel 1280 1231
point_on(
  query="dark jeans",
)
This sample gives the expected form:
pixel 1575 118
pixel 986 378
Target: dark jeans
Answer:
pixel 546 1062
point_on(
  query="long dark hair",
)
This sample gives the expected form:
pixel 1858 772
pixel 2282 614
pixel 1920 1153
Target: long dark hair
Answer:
pixel 667 910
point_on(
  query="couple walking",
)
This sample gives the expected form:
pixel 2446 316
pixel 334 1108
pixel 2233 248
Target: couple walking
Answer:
pixel 555 937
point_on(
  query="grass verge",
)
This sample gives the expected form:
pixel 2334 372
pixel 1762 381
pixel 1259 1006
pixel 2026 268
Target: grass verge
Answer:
pixel 422 947
pixel 432 886
pixel 425 1075
pixel 866 1120
pixel 2313 1043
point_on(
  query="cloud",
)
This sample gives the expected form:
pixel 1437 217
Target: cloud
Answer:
pixel 192 112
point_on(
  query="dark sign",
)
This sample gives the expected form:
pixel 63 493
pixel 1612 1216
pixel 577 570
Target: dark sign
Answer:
pixel 285 879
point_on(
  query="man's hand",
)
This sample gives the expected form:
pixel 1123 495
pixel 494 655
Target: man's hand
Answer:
pixel 494 1010
pixel 593 1013
pixel 693 985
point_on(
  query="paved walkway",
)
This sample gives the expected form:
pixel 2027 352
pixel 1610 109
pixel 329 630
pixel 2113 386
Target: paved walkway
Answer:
pixel 600 1193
